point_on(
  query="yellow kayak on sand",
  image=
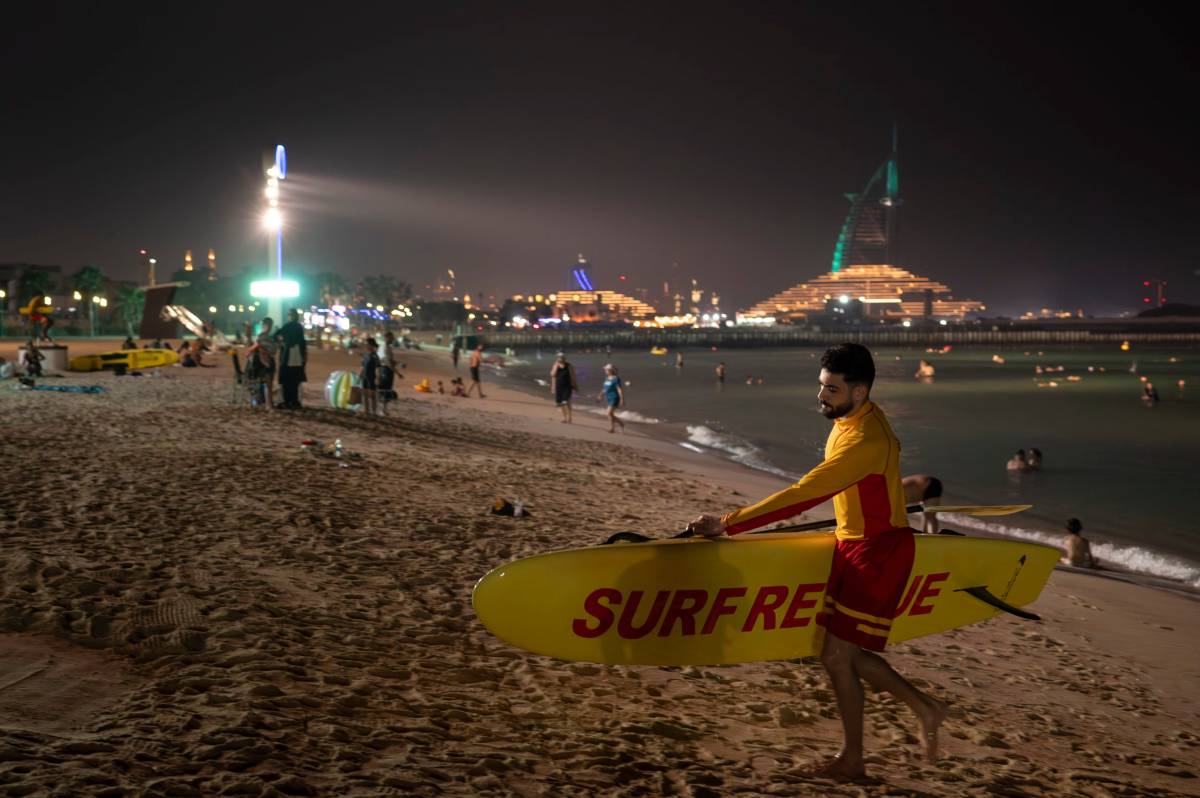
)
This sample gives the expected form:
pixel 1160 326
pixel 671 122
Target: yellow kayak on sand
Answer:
pixel 125 359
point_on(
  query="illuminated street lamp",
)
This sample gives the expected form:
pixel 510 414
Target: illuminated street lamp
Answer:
pixel 276 288
pixel 3 309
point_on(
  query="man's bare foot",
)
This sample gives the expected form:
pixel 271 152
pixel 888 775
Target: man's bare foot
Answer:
pixel 839 769
pixel 931 719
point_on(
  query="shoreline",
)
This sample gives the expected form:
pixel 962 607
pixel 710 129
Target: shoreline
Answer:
pixel 665 439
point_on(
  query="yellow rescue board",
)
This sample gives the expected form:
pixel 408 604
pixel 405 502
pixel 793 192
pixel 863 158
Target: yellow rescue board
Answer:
pixel 742 599
pixel 125 358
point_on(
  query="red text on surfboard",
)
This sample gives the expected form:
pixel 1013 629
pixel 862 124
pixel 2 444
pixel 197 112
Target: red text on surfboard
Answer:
pixel 922 590
pixel 686 612
pixel 691 612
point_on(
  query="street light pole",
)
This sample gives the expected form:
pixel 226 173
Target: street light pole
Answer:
pixel 273 222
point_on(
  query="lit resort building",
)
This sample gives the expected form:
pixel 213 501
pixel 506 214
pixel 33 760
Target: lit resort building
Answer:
pixel 862 270
pixel 586 303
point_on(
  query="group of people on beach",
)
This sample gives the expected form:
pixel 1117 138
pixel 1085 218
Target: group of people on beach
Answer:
pixel 378 374
pixel 474 365
pixel 563 385
pixel 282 352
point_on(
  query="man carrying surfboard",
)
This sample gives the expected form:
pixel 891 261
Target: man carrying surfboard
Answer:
pixel 872 557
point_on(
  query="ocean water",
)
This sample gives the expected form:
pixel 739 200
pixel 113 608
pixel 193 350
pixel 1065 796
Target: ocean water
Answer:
pixel 1127 470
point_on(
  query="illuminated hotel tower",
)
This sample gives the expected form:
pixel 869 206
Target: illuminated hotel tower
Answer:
pixel 187 261
pixel 212 265
pixel 868 234
pixel 863 266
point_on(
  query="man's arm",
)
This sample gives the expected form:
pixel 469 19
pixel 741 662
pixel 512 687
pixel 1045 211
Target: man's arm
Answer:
pixel 852 460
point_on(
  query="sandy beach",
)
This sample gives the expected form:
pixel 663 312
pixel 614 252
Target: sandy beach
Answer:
pixel 192 604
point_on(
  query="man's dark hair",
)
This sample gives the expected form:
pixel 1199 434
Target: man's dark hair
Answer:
pixel 934 489
pixel 1074 525
pixel 852 361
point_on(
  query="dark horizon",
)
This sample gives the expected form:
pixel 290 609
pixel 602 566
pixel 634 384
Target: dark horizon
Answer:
pixel 1042 162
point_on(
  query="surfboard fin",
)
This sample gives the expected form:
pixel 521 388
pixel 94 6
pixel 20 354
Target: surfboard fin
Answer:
pixel 984 595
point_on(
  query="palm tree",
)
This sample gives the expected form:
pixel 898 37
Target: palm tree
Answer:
pixel 88 282
pixel 386 290
pixel 332 287
pixel 34 281
pixel 131 302
pixel 378 289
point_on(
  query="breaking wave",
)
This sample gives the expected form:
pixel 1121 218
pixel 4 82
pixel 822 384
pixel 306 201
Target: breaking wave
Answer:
pixel 739 450
pixel 625 415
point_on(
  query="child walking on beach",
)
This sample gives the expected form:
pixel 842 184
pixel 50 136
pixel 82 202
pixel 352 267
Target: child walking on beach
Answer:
pixel 613 394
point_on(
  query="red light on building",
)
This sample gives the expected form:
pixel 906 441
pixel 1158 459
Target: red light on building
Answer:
pixel 1146 283
pixel 621 278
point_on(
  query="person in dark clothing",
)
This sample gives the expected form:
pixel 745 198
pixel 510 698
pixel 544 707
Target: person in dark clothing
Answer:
pixel 369 377
pixel 388 371
pixel 33 360
pixel 562 384
pixel 293 357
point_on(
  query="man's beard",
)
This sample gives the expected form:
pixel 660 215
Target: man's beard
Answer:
pixel 836 411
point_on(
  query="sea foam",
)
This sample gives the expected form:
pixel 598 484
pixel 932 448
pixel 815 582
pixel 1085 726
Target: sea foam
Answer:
pixel 739 450
pixel 625 415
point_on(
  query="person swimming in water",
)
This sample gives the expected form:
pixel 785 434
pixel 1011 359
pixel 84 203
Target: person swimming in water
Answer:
pixel 1079 551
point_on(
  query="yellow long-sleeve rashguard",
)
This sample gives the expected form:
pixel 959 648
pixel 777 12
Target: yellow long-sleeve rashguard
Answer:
pixel 861 471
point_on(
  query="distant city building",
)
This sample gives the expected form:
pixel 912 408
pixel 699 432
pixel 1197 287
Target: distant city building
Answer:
pixel 444 289
pixel 187 261
pixel 862 268
pixel 586 303
pixel 886 291
pixel 212 265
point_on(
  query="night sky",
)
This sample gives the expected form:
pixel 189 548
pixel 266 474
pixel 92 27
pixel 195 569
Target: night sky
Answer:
pixel 1044 159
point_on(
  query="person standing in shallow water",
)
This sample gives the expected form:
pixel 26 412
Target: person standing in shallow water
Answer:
pixel 475 364
pixel 613 394
pixel 872 557
pixel 1079 551
pixel 293 358
pixel 563 384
